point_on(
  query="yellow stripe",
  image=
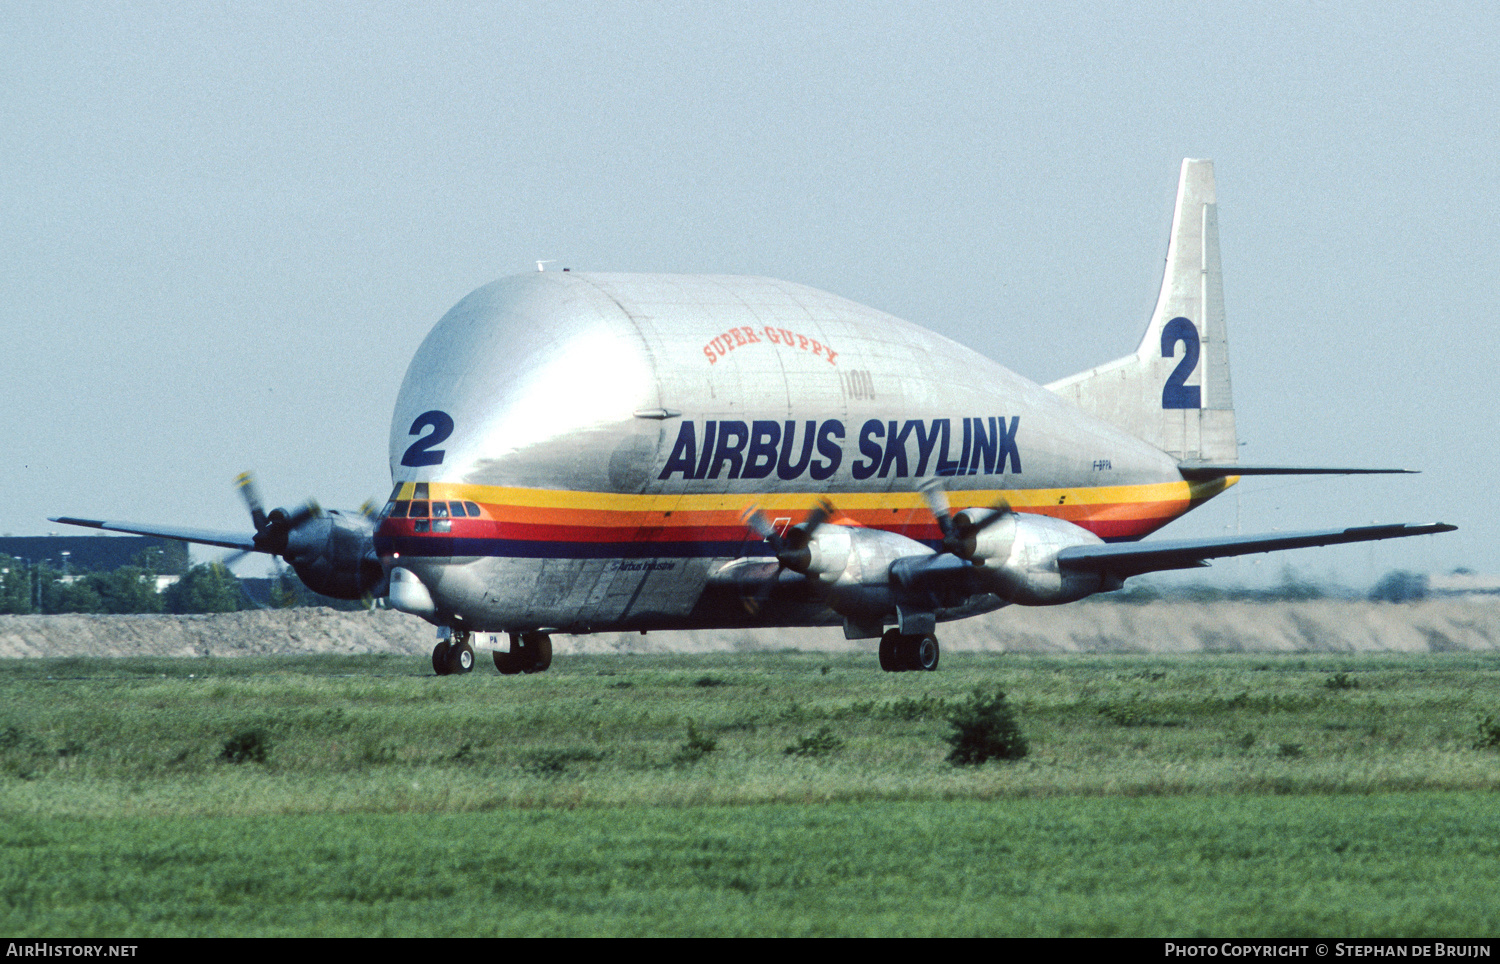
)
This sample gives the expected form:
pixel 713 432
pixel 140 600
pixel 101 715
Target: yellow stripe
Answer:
pixel 848 501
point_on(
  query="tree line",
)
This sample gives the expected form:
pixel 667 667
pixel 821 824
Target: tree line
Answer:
pixel 41 588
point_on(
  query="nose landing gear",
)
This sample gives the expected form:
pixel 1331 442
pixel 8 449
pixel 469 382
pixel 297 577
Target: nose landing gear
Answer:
pixel 453 656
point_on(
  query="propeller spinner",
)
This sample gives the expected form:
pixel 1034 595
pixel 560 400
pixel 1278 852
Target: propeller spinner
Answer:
pixel 961 533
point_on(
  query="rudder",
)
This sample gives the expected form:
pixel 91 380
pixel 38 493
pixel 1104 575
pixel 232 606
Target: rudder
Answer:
pixel 1174 391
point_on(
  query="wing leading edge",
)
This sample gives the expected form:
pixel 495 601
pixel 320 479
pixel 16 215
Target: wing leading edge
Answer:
pixel 207 537
pixel 1133 559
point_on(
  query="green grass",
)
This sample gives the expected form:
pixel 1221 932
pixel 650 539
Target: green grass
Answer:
pixel 786 793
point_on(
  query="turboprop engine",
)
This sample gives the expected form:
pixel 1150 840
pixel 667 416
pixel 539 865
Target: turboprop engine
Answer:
pixel 1013 555
pixel 871 577
pixel 851 566
pixel 1021 551
pixel 332 552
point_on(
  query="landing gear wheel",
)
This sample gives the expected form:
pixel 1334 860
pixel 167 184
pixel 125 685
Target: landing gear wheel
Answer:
pixel 440 658
pixel 900 653
pixel 510 663
pixel 890 648
pixel 529 653
pixel 538 646
pixel 459 657
pixel 924 653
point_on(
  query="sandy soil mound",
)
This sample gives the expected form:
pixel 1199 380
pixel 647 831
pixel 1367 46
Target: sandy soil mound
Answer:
pixel 1322 626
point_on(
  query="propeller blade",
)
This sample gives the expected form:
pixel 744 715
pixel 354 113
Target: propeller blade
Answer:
pixel 959 531
pixel 817 517
pixel 251 494
pixel 994 514
pixel 937 504
pixel 761 526
pixel 234 558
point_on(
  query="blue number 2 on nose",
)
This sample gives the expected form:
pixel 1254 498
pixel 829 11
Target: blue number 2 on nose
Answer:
pixel 421 452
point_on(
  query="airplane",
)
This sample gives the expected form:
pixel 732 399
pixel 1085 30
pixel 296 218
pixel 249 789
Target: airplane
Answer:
pixel 582 452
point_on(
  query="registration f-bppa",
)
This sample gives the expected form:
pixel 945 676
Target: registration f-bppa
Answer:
pixel 1414 949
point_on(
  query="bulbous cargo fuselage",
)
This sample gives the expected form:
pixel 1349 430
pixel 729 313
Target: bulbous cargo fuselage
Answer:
pixel 577 452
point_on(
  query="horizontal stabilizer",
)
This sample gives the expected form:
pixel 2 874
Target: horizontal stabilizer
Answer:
pixel 1133 559
pixel 207 537
pixel 1204 471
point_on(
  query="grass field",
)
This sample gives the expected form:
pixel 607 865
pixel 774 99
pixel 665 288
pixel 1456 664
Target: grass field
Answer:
pixel 785 793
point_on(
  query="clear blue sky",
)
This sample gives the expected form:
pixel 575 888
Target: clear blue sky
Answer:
pixel 228 226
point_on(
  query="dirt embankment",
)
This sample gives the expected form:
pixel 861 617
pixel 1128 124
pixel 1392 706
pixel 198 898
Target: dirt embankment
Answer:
pixel 1324 626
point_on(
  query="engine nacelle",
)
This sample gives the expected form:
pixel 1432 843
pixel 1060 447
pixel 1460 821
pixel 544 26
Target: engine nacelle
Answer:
pixel 1027 572
pixel 860 587
pixel 993 541
pixel 334 554
pixel 824 553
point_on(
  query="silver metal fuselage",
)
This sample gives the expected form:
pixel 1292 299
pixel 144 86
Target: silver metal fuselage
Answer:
pixel 613 429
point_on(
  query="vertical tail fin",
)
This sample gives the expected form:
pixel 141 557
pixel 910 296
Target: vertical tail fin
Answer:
pixel 1174 391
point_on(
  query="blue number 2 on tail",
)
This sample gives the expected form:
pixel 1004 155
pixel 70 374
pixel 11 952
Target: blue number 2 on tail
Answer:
pixel 1175 394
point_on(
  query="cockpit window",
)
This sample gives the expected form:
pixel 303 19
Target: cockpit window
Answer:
pixel 421 491
pixel 396 492
pixel 457 508
pixel 473 510
pixel 440 510
pixel 395 510
pixel 418 510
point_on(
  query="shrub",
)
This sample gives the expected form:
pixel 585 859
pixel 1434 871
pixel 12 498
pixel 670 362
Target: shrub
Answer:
pixel 1341 681
pixel 820 743
pixel 247 746
pixel 985 728
pixel 554 762
pixel 1489 733
pixel 697 746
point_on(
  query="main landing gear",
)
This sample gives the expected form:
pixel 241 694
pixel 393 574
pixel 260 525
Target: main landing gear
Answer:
pixel 529 653
pixel 899 653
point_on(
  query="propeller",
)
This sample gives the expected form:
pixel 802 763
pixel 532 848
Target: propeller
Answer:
pixel 333 553
pixel 273 530
pixel 791 549
pixel 960 534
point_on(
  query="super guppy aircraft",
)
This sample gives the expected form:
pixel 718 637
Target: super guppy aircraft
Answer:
pixel 577 452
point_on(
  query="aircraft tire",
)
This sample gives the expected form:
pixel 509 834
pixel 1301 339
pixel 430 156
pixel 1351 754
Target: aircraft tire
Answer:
pixel 440 658
pixel 539 649
pixel 890 652
pixel 511 663
pixel 924 653
pixel 460 657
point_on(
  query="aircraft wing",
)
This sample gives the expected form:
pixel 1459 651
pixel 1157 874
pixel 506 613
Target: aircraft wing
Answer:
pixel 1134 558
pixel 1203 471
pixel 208 537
